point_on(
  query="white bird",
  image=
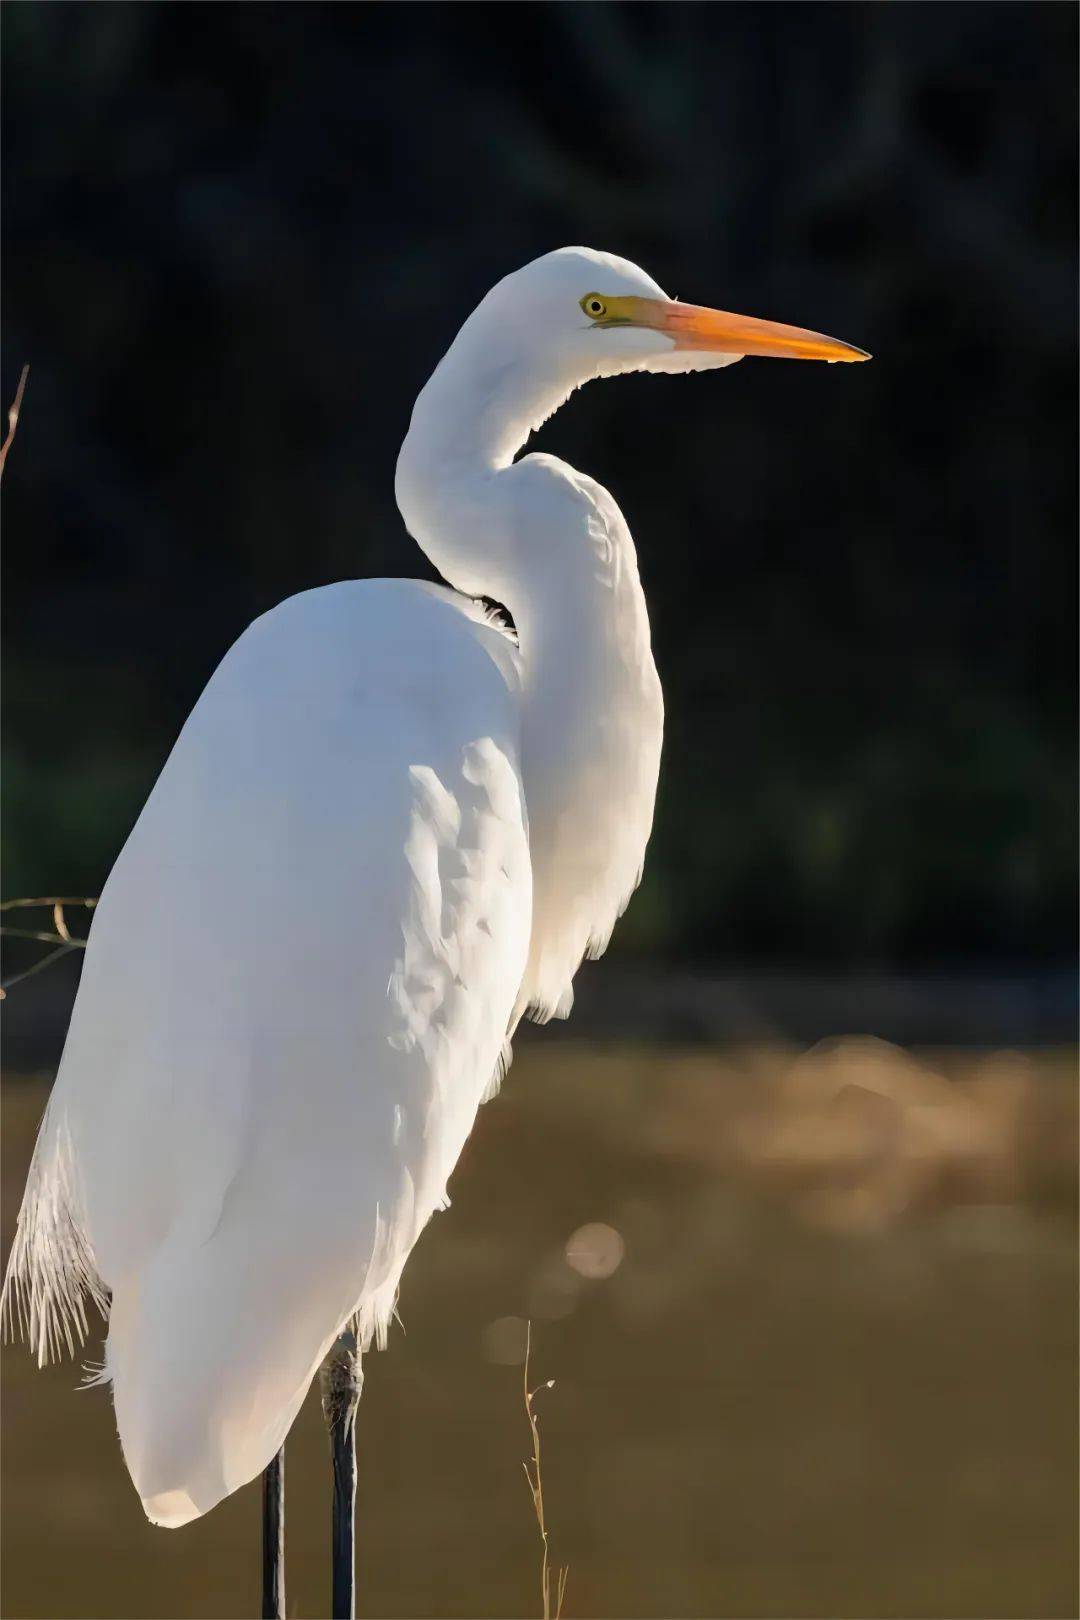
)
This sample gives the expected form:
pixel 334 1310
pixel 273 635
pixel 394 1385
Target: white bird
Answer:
pixel 389 829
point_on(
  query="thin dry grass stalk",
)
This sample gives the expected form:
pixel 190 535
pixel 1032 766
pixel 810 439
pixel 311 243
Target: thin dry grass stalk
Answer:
pixel 13 418
pixel 536 1490
pixel 61 937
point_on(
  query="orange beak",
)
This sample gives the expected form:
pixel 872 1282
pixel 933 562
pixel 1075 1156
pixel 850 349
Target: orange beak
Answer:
pixel 715 331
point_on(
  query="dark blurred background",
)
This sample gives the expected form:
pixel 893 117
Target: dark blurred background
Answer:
pixel 811 1315
pixel 237 240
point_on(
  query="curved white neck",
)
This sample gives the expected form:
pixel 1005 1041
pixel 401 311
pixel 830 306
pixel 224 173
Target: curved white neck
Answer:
pixel 526 534
pixel 468 423
pixel 551 546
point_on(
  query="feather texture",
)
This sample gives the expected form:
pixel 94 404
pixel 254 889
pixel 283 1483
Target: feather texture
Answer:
pixel 388 829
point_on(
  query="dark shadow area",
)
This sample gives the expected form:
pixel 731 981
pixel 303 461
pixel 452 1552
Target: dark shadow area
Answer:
pixel 238 238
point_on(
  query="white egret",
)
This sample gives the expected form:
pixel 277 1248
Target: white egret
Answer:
pixel 388 830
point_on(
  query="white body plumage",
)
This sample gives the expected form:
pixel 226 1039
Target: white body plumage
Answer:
pixel 388 829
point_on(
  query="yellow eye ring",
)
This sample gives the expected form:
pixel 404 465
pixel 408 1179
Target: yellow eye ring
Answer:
pixel 594 306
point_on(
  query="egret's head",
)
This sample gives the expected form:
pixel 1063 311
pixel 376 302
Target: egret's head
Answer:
pixel 562 320
pixel 594 315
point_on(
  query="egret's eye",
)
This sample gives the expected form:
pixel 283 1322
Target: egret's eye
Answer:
pixel 593 306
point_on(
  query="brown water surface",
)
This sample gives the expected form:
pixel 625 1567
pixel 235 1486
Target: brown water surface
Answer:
pixel 813 1330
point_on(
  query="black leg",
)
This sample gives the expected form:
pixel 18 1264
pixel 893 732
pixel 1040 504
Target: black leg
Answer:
pixel 273 1591
pixel 341 1383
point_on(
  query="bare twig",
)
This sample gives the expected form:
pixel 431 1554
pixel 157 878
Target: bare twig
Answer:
pixel 13 418
pixel 61 937
pixel 28 973
pixel 536 1491
pixel 48 900
pixel 36 933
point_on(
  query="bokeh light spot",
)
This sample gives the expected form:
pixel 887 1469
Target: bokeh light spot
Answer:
pixel 595 1250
